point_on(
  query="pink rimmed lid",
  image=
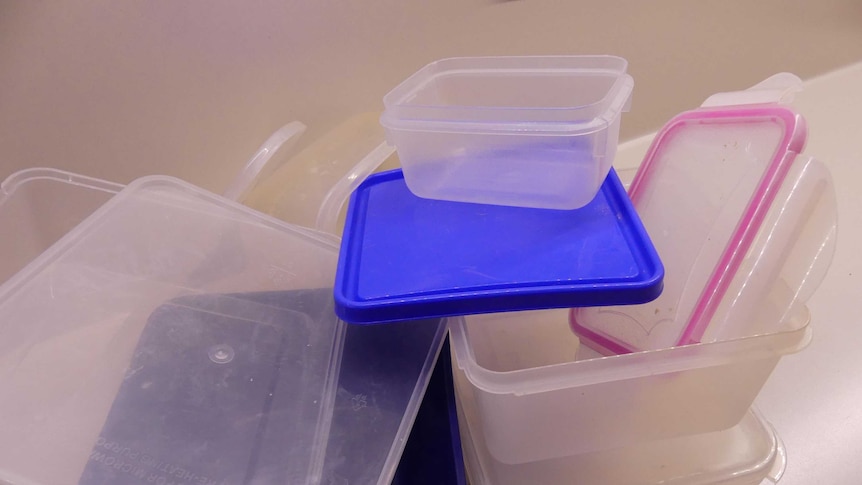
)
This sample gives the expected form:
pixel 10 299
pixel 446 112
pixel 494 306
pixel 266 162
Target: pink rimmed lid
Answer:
pixel 703 191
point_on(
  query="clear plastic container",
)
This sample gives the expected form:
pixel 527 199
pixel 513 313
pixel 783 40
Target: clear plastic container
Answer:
pixel 536 401
pixel 703 192
pixel 745 454
pixel 374 402
pixel 520 131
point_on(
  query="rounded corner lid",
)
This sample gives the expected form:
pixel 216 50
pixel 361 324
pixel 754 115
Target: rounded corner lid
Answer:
pixel 404 257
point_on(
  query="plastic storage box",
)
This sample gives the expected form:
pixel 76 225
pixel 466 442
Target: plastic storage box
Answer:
pixel 374 402
pixel 536 401
pixel 521 131
pixel 39 206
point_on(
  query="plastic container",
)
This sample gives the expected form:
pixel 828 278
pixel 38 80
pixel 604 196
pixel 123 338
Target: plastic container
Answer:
pixel 449 258
pixel 536 401
pixel 745 454
pixel 112 369
pixel 520 131
pixel 376 401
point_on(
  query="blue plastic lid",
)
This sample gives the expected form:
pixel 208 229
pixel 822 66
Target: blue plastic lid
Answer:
pixel 404 257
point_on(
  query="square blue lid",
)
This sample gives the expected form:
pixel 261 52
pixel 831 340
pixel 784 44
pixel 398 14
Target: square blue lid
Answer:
pixel 404 257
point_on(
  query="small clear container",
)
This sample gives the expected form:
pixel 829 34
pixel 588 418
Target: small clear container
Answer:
pixel 520 131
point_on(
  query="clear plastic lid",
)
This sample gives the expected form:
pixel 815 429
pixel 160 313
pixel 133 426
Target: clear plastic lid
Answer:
pixel 127 355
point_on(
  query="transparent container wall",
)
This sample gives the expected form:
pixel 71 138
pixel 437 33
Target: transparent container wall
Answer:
pixel 546 403
pixel 744 454
pixel 385 369
pixel 125 346
pixel 463 83
pixel 39 206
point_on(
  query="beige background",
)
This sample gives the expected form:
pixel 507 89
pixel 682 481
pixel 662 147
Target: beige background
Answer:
pixel 190 88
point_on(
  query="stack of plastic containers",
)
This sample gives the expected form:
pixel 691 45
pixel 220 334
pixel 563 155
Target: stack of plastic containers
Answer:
pixel 157 333
pixel 745 227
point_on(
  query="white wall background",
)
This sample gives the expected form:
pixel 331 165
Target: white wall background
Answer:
pixel 190 88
